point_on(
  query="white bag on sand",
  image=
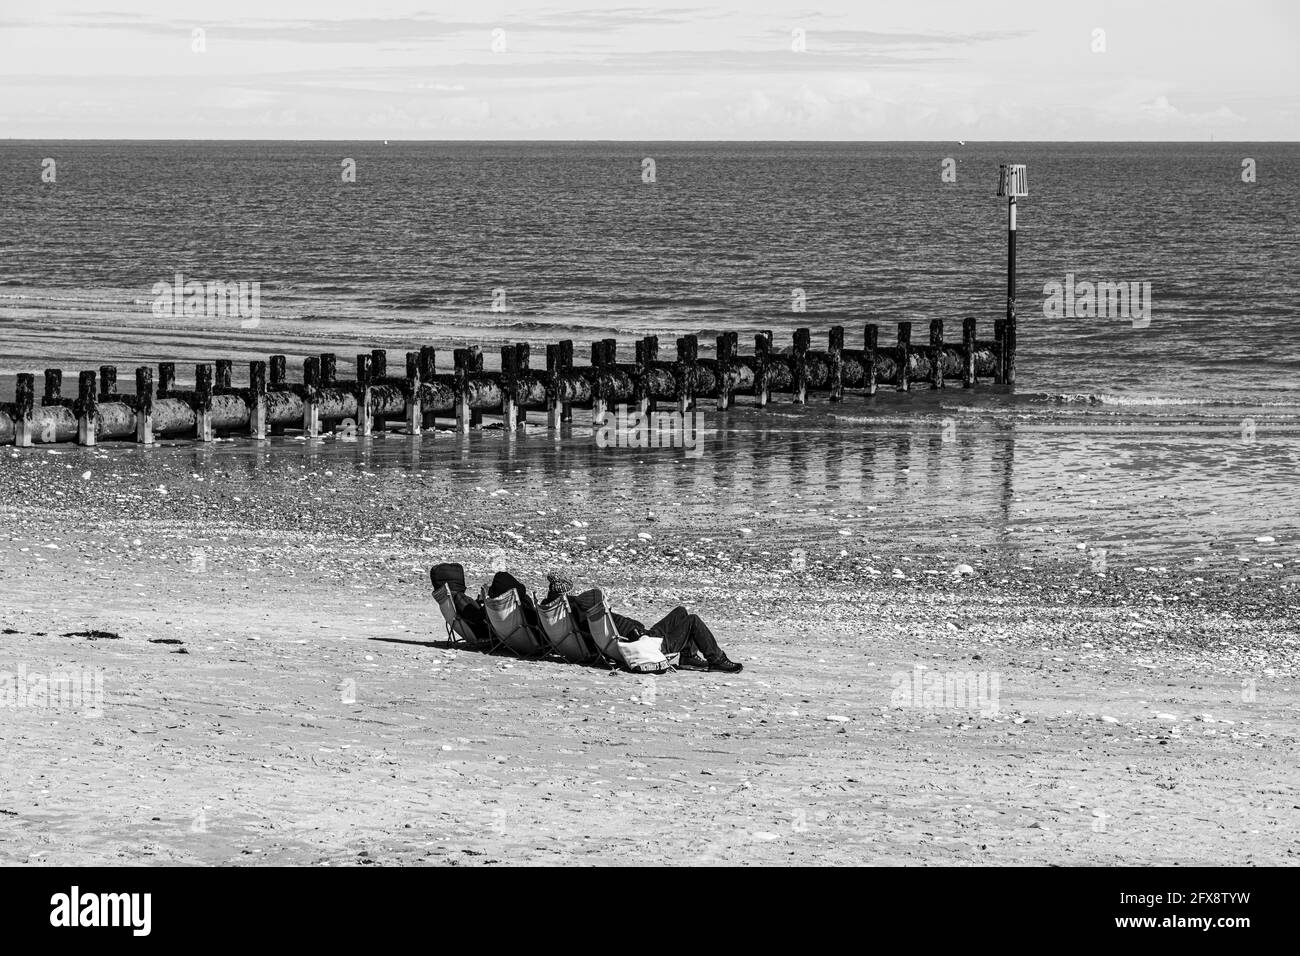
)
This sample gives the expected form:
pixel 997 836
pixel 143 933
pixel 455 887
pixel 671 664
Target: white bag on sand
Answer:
pixel 645 655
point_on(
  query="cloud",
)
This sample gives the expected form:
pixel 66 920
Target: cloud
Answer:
pixel 366 30
pixel 1160 110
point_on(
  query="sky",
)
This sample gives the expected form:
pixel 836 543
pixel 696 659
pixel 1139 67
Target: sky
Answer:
pixel 734 70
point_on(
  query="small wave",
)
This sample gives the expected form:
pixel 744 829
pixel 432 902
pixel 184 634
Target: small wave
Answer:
pixel 1144 400
pixel 535 326
pixel 309 288
pixel 417 300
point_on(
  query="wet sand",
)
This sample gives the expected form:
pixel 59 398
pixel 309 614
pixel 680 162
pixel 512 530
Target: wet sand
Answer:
pixel 312 712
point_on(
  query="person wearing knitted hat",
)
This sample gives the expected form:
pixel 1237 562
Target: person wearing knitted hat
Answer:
pixel 683 633
pixel 558 583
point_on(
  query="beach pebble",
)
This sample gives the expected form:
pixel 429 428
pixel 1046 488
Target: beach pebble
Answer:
pixel 964 570
pixel 1166 716
pixel 746 530
pixel 1262 539
pixel 85 476
pixel 1105 719
pixel 837 718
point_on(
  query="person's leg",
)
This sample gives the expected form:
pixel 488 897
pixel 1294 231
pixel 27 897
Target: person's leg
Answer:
pixel 680 629
pixel 704 640
pixel 675 630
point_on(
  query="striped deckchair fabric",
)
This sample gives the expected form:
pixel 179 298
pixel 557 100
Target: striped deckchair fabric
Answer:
pixel 462 615
pixel 604 634
pixel 564 633
pixel 508 620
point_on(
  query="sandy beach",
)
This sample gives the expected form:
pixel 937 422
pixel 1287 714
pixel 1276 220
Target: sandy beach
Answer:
pixel 277 687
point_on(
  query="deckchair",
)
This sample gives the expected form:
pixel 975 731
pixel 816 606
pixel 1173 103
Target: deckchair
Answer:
pixel 601 624
pixel 564 633
pixel 511 619
pixel 605 635
pixel 466 622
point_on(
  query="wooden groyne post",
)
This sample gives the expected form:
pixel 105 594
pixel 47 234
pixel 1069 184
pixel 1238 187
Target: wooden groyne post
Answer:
pixel 271 405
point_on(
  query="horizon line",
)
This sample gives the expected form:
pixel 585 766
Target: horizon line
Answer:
pixel 350 139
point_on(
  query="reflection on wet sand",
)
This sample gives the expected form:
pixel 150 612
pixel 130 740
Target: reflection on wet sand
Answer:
pixel 831 485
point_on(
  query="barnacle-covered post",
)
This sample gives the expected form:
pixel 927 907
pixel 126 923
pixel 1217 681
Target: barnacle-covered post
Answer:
pixel 936 353
pixel 311 397
pixel 257 400
pixel 24 409
pixel 414 408
pixel 566 366
pixel 166 378
pixel 87 409
pixel 762 389
pixel 600 387
pixel 904 356
pixel 275 383
pixel 552 385
pixel 461 389
pixel 365 397
pixel 802 339
pixel 378 375
pixel 203 403
pixel 835 349
pixel 871 344
pixel 509 383
pixel 726 359
pixel 428 368
pixel 144 405
pixel 53 387
pixel 107 382
pixel 688 353
pixel 521 369
pixel 968 352
pixel 651 356
pixel 474 363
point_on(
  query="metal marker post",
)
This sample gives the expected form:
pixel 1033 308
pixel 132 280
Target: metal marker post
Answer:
pixel 1012 183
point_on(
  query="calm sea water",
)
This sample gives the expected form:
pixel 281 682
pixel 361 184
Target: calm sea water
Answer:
pixel 413 250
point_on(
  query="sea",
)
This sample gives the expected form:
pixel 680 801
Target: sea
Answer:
pixel 1167 435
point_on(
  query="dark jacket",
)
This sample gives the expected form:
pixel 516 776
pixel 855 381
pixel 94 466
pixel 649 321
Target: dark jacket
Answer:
pixel 627 627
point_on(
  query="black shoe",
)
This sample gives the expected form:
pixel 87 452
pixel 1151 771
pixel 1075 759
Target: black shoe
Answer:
pixel 690 661
pixel 726 666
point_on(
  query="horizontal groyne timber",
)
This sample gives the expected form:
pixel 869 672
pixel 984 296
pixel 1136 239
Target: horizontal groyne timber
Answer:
pixel 270 404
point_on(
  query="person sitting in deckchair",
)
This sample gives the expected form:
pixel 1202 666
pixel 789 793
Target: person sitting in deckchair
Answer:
pixel 682 632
